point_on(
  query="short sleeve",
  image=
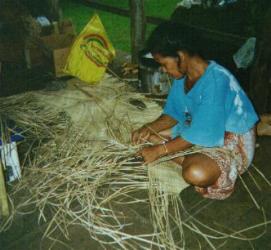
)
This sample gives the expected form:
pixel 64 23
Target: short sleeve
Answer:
pixel 173 104
pixel 207 127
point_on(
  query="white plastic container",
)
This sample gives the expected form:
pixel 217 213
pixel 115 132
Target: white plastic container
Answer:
pixel 10 160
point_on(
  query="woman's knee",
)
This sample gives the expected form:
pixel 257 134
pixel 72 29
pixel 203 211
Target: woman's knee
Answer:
pixel 198 175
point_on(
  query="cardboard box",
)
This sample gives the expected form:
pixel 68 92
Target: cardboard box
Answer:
pixel 50 51
pixel 63 27
pixel 55 47
pixel 60 56
pixel 66 27
pixel 59 45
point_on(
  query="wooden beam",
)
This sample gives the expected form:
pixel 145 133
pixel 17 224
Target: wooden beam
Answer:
pixel 4 210
pixel 138 27
pixel 104 7
pixel 118 11
pixel 217 35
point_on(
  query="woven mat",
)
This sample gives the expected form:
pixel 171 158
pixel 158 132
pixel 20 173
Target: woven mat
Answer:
pixel 167 176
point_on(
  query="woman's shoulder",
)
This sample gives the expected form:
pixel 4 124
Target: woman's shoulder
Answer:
pixel 221 74
pixel 220 71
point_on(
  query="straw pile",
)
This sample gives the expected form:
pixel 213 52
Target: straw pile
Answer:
pixel 80 164
pixel 81 168
pixel 36 120
pixel 77 182
pixel 106 111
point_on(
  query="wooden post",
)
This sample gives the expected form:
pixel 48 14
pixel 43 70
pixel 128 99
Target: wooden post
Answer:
pixel 4 210
pixel 138 27
pixel 54 10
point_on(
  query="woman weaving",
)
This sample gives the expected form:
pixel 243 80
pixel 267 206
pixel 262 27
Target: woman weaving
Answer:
pixel 206 107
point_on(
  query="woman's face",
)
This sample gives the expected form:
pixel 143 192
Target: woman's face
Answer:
pixel 170 65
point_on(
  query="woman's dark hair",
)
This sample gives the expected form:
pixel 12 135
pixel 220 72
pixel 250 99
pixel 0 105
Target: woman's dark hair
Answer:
pixel 169 37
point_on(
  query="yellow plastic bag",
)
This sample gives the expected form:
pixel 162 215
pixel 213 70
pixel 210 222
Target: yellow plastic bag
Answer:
pixel 90 53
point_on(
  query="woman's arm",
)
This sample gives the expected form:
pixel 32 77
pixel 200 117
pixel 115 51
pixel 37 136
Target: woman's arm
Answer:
pixel 162 123
pixel 152 153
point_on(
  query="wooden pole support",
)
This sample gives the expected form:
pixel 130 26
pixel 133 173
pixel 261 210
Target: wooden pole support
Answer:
pixel 4 210
pixel 138 27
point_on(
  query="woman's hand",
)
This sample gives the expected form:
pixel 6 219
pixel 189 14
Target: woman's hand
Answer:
pixel 151 153
pixel 143 134
pixel 140 135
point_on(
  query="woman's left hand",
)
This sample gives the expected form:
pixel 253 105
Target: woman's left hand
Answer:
pixel 150 154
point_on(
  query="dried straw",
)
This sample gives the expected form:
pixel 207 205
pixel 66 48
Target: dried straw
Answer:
pixel 82 167
pixel 78 183
pixel 32 116
pixel 83 174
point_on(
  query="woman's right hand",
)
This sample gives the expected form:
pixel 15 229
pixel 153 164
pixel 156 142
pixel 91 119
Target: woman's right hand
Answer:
pixel 140 135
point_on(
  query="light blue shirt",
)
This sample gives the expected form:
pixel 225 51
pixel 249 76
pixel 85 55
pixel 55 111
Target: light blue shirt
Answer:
pixel 215 104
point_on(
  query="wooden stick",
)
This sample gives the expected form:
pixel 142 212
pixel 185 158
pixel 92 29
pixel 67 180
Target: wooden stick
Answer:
pixel 4 210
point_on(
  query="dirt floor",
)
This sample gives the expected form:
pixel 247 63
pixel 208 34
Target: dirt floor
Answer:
pixel 230 215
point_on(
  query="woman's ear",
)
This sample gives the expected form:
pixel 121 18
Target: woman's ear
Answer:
pixel 181 56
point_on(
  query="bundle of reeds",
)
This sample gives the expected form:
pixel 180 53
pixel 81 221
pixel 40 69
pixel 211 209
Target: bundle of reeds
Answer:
pixel 76 173
pixel 34 119
pixel 77 183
